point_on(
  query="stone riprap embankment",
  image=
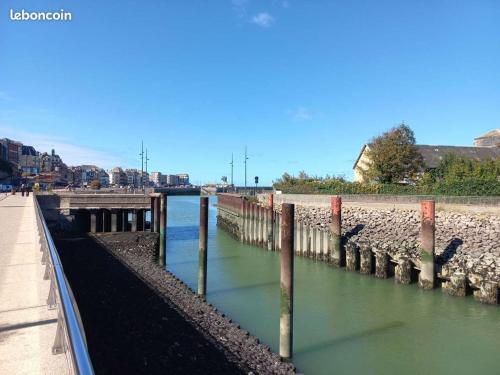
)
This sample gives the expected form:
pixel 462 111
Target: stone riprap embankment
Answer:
pixel 240 347
pixel 465 242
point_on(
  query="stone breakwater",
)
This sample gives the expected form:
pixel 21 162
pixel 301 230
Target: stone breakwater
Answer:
pixel 241 348
pixel 466 243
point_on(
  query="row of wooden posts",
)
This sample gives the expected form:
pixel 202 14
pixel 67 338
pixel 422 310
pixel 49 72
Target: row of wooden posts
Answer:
pixel 159 225
pixel 286 245
pixel 260 226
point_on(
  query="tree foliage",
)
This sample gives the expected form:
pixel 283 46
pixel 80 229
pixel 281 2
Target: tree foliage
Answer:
pixel 455 175
pixel 393 157
pixel 95 184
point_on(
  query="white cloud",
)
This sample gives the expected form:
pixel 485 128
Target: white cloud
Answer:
pixel 263 19
pixel 70 153
pixel 301 114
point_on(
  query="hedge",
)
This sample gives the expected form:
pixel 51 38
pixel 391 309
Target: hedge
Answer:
pixel 332 187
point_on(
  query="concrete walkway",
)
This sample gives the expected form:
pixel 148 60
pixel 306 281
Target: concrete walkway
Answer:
pixel 27 327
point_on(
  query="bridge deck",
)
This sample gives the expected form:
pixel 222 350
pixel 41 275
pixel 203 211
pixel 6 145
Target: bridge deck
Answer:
pixel 27 327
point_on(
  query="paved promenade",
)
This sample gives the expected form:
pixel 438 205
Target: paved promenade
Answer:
pixel 27 327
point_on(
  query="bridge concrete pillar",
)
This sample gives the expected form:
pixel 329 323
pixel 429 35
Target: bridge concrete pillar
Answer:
pixel 157 214
pixel 141 220
pixel 124 227
pixel 134 220
pixel 106 221
pixel 152 220
pixel 337 255
pixel 93 221
pixel 427 243
pixel 114 220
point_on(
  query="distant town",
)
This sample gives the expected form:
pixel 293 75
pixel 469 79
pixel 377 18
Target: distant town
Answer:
pixel 29 166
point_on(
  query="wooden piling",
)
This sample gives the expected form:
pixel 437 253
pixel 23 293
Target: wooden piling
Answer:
pixel 202 255
pixel 337 256
pixel 270 227
pixel 163 230
pixel 427 241
pixel 286 298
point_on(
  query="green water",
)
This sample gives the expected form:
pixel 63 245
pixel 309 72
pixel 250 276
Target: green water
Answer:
pixel 345 323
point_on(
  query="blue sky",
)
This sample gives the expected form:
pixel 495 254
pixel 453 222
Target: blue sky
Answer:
pixel 302 83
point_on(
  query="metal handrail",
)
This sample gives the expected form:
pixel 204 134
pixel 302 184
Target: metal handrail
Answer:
pixel 70 332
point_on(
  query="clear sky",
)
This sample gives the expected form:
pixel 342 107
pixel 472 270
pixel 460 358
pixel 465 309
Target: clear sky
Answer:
pixel 302 83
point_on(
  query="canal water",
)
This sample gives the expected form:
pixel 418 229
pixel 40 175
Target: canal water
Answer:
pixel 345 323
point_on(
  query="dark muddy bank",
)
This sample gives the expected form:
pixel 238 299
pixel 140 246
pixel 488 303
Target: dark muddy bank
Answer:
pixel 140 319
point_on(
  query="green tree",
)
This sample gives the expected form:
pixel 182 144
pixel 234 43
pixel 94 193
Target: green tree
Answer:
pixel 393 156
pixel 95 184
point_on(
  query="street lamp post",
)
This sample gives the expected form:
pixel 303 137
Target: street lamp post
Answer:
pixel 246 158
pixel 232 168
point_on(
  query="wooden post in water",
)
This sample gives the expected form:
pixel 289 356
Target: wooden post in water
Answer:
pixel 202 257
pixel 242 220
pixel 286 298
pixel 270 223
pixel 427 242
pixel 336 257
pixel 163 230
pixel 157 213
pixel 270 228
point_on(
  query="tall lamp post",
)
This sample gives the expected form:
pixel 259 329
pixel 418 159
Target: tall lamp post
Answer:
pixel 147 159
pixel 142 164
pixel 232 169
pixel 246 158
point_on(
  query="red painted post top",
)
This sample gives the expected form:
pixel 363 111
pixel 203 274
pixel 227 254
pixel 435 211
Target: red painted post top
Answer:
pixel 271 200
pixel 336 205
pixel 428 209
